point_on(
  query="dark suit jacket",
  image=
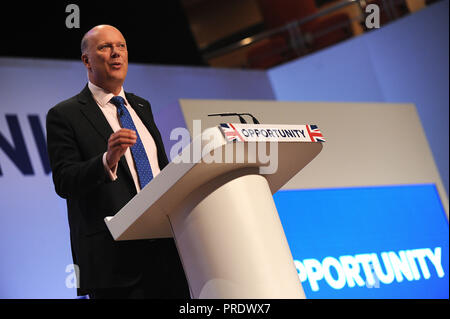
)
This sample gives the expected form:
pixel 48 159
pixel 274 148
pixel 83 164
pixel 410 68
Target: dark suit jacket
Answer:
pixel 77 135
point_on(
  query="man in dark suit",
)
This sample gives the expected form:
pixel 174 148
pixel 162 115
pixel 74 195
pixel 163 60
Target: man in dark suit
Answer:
pixel 104 147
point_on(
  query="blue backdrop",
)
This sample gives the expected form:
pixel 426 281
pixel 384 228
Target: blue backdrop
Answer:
pixel 338 238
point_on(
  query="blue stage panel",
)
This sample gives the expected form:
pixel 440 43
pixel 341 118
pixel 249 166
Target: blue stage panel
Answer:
pixel 368 242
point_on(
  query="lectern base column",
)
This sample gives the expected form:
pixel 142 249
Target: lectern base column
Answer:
pixel 232 243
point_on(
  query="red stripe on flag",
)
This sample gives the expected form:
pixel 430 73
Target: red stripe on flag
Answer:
pixel 313 135
pixel 237 133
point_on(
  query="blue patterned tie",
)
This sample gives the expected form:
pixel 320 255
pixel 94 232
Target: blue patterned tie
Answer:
pixel 143 167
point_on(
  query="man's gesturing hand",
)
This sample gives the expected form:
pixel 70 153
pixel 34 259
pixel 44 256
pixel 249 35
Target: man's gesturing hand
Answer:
pixel 118 143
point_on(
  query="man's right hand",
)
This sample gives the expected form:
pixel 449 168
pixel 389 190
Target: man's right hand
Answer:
pixel 118 143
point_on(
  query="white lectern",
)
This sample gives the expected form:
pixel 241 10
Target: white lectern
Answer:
pixel 215 200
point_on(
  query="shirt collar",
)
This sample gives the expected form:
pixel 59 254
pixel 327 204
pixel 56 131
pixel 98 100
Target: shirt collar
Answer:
pixel 103 97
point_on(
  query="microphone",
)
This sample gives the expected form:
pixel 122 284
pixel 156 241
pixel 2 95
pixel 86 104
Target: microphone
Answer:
pixel 255 121
pixel 241 119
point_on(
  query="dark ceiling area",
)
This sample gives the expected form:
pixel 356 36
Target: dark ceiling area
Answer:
pixel 157 32
pixel 247 34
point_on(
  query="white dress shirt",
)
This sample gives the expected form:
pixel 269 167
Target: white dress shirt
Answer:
pixel 109 110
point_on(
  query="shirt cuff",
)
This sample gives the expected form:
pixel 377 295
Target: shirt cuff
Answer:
pixel 112 173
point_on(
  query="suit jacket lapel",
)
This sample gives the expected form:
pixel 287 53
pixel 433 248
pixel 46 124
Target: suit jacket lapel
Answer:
pixel 142 112
pixel 146 117
pixel 93 113
pixel 145 114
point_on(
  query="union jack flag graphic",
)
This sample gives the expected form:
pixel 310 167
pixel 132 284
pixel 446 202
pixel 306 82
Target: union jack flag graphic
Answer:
pixel 314 133
pixel 230 132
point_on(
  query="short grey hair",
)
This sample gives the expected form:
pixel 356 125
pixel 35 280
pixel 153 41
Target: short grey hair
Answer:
pixel 84 43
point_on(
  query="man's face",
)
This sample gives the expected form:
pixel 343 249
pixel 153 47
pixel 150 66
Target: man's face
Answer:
pixel 106 57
